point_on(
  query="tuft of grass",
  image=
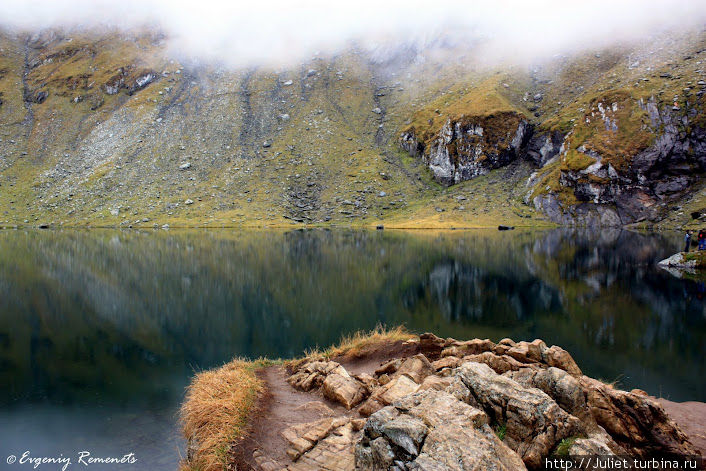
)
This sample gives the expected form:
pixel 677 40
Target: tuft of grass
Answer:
pixel 613 384
pixel 699 257
pixel 215 412
pixel 500 430
pixel 358 344
pixel 564 446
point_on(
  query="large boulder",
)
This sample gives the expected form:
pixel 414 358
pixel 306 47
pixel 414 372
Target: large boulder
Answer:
pixel 557 384
pixel 558 357
pixel 431 346
pixel 417 368
pixel 534 422
pixel 635 420
pixel 397 388
pixel 343 389
pixel 432 430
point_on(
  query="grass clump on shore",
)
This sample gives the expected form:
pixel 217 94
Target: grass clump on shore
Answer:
pixel 358 344
pixel 215 412
pixel 500 431
pixel 699 257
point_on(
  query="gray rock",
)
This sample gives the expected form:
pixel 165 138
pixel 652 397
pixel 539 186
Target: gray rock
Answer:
pixel 432 430
pixel 534 422
pixel 406 432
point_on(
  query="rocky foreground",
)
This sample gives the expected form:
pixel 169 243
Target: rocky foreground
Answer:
pixel 440 404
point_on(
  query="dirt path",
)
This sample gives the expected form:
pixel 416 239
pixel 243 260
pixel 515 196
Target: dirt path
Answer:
pixel 691 418
pixel 283 406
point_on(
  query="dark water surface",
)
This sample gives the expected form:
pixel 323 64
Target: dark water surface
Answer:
pixel 100 331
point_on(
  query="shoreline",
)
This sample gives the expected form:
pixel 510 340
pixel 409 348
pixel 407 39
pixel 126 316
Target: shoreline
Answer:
pixel 373 226
pixel 370 227
pixel 320 407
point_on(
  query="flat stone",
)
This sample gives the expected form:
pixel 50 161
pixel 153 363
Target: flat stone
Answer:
pixel 343 389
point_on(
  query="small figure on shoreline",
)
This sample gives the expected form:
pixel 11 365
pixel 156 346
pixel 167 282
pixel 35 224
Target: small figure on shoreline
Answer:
pixel 702 239
pixel 687 240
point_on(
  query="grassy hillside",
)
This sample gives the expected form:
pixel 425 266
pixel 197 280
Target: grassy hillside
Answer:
pixel 105 129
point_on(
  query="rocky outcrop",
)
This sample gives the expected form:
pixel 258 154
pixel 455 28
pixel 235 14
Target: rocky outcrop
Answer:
pixel 470 146
pixel 312 374
pixel 534 422
pixel 582 214
pixel 130 79
pixel 643 186
pixel 655 161
pixel 335 382
pixel 685 260
pixel 634 420
pixel 543 146
pixel 343 389
pixel 468 405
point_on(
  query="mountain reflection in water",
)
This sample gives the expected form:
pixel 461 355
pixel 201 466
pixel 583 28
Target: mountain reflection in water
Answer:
pixel 101 330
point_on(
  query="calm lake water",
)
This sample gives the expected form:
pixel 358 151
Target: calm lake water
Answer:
pixel 101 330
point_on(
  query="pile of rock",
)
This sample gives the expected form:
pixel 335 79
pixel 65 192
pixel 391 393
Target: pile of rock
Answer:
pixel 473 405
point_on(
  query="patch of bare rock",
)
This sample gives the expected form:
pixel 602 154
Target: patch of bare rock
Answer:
pixel 465 405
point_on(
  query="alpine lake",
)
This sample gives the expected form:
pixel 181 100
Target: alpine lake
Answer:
pixel 102 330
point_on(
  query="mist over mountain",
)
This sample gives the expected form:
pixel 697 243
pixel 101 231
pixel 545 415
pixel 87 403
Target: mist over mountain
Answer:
pixel 467 114
pixel 285 33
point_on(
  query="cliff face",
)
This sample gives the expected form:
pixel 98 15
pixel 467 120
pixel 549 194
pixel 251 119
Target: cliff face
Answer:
pixel 471 146
pixel 612 187
pixel 106 128
pixel 604 152
pixel 468 147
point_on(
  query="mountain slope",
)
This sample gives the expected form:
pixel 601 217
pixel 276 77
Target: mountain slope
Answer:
pixel 105 128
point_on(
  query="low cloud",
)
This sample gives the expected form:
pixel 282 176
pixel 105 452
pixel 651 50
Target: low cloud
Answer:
pixel 278 32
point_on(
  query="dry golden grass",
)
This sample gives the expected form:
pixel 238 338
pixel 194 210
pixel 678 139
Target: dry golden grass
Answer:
pixel 360 341
pixel 215 412
pixel 357 344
